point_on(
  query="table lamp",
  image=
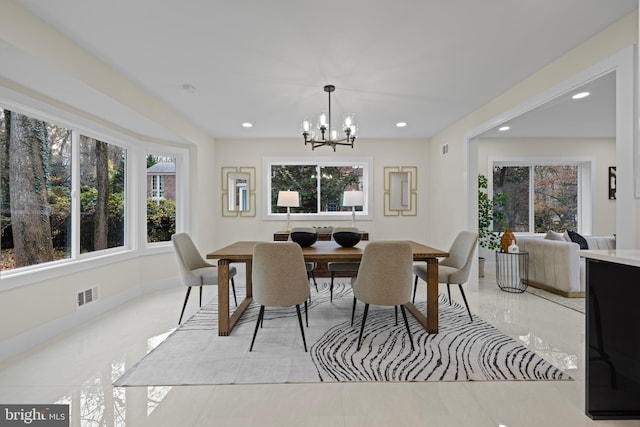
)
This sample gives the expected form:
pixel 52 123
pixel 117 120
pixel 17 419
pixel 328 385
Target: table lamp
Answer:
pixel 288 199
pixel 353 199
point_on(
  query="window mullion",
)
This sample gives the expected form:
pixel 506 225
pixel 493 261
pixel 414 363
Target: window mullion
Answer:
pixel 532 200
pixel 75 194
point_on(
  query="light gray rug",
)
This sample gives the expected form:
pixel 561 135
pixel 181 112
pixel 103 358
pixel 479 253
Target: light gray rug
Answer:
pixel 462 351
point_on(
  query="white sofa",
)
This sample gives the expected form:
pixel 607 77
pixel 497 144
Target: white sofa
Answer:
pixel 554 265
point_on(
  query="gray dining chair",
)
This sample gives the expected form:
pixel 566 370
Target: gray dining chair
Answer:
pixel 311 266
pixel 279 279
pixel 194 270
pixel 342 267
pixel 384 278
pixel 453 270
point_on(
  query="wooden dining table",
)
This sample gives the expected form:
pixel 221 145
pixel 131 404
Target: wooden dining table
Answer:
pixel 242 252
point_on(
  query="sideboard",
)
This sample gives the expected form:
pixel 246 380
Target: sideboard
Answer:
pixel 321 269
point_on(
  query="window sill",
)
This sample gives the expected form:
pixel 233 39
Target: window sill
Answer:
pixel 15 279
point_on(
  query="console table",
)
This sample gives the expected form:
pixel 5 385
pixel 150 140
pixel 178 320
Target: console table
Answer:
pixel 321 270
pixel 612 356
pixel 282 236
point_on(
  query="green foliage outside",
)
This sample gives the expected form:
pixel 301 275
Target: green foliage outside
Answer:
pixel 491 215
pixel 161 220
pixel 334 180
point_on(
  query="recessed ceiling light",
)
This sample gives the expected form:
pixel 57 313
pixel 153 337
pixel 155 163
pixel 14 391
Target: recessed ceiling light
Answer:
pixel 247 125
pixel 581 95
pixel 188 87
pixel 504 128
pixel 401 124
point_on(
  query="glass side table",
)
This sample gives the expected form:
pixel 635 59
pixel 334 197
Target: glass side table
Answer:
pixel 512 271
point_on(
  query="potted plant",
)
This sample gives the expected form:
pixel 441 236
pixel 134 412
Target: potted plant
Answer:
pixel 491 215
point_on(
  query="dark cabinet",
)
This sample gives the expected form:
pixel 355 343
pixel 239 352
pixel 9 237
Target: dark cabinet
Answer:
pixel 612 340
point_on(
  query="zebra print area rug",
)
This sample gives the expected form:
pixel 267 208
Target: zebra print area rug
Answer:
pixel 463 350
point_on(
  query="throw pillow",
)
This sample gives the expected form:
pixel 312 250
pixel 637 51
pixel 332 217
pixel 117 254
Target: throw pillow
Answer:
pixel 552 235
pixel 566 236
pixel 576 238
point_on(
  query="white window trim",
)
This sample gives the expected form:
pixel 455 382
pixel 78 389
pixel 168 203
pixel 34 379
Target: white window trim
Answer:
pixel 367 179
pixel 135 207
pixel 585 185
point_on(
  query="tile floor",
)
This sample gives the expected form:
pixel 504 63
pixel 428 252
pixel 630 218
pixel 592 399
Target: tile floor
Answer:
pixel 79 367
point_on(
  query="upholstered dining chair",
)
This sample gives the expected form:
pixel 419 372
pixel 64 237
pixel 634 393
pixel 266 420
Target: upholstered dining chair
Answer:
pixel 195 271
pixel 453 270
pixel 384 278
pixel 349 267
pixel 311 266
pixel 279 279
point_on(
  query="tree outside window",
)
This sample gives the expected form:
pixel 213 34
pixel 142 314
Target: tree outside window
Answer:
pixel 36 188
pixel 544 197
pixel 321 187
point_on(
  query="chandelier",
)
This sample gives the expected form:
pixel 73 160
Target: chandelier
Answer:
pixel 324 134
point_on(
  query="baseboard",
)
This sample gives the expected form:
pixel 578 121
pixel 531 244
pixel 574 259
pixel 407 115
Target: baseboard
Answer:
pixel 43 333
pixel 554 290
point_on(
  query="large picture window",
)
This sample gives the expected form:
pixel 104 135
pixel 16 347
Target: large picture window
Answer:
pixel 320 184
pixel 542 197
pixel 102 195
pixel 36 191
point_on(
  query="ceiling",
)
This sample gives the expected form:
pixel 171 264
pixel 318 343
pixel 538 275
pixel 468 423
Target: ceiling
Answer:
pixel 424 62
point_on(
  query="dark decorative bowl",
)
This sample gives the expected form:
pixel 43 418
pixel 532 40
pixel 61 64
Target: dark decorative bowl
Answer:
pixel 347 239
pixel 304 238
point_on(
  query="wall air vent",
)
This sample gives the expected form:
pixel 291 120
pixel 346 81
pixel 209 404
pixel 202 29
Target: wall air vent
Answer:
pixel 86 296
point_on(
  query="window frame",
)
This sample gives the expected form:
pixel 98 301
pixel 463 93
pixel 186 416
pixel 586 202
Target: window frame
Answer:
pixel 585 186
pixel 322 161
pixel 135 237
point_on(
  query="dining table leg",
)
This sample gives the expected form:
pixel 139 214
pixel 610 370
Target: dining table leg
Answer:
pixel 430 321
pixel 226 319
pixel 223 297
pixel 432 296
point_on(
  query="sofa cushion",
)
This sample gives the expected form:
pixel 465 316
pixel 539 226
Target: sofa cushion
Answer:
pixel 577 238
pixel 552 235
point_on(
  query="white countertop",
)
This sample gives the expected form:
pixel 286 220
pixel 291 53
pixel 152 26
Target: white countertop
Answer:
pixel 619 256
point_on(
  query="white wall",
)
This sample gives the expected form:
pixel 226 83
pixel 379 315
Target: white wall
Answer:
pixel 384 153
pixel 454 168
pixel 601 152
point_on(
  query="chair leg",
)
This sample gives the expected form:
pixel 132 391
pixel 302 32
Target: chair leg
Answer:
pixel 200 296
pixel 233 286
pixel 258 321
pixel 186 298
pixel 406 323
pixel 449 292
pixel 364 319
pixel 301 327
pixel 306 312
pixel 313 277
pixel 353 310
pixel 415 287
pixel 396 310
pixel 333 275
pixel 465 302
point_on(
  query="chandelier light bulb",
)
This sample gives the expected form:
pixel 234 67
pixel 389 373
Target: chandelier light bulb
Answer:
pixel 306 125
pixel 323 120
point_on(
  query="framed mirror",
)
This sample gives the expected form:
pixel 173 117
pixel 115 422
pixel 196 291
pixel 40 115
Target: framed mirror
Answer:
pixel 400 190
pixel 238 191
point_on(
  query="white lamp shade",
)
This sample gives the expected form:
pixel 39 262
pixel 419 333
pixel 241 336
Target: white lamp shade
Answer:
pixel 289 198
pixel 353 198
